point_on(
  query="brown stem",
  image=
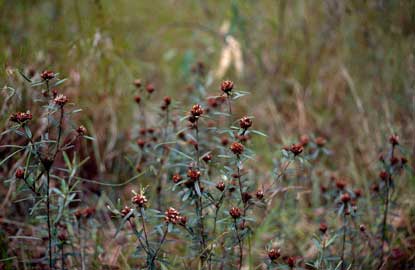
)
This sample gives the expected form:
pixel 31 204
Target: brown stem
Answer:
pixel 151 265
pixel 240 243
pixel 344 237
pixel 48 219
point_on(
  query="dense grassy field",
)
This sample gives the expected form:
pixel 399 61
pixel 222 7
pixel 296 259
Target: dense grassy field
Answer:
pixel 328 91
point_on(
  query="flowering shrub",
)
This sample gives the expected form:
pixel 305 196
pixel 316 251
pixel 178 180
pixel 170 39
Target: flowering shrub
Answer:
pixel 203 201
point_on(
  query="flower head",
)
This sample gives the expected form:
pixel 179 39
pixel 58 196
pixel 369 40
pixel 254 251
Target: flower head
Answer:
pixel 237 148
pixel 226 87
pixel 172 216
pixel 21 117
pixel 47 75
pixel 296 149
pixel 235 212
pixel 274 254
pixel 125 211
pixel 137 83
pixel 61 100
pixel 220 186
pixel 81 130
pixel 196 110
pixel 19 173
pixel 394 139
pixel 139 199
pixel 245 123
pixel 150 88
pixel 176 178
pixel 323 228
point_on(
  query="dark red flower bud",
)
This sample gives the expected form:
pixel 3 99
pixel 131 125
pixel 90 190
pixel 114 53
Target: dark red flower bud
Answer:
pixel 259 194
pixel 60 100
pixel 304 140
pixel 21 117
pixel 47 75
pixel 226 87
pixel 375 187
pixel 245 123
pixel 246 197
pixel 362 228
pixel 141 143
pixel 384 175
pixel 140 200
pixel 172 216
pixel 394 161
pixel 125 211
pixel 19 173
pixel 320 141
pixel 177 178
pixel 224 141
pixel 394 140
pixel 274 254
pixel 206 158
pixel 296 149
pixel 404 160
pixel 237 148
pixel 323 188
pixel 137 99
pixel 345 198
pixel 291 261
pixel 235 212
pixel 220 186
pixel 196 111
pixel 183 220
pixel 81 130
pixel 137 83
pixel 194 175
pixel 341 184
pixel 358 192
pixel 150 88
pixel 323 228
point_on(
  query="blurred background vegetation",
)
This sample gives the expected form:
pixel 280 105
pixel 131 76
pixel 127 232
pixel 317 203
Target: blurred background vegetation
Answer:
pixel 344 70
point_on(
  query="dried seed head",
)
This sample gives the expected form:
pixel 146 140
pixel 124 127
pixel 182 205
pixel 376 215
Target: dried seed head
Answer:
pixel 296 149
pixel 61 100
pixel 47 75
pixel 21 117
pixel 274 254
pixel 172 216
pixel 220 186
pixel 237 148
pixel 323 228
pixel 259 194
pixel 140 200
pixel 235 212
pixel 226 87
pixel 245 123
pixel 394 139
pixel 177 178
pixel 19 173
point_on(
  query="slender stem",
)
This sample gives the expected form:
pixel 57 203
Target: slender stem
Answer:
pixel 144 228
pixel 344 238
pixel 230 110
pixel 241 254
pixel 139 238
pixel 58 140
pixel 48 218
pixel 62 257
pixel 151 265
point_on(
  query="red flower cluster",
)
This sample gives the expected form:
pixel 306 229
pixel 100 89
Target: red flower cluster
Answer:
pixel 166 103
pixel 245 123
pixel 226 87
pixel 47 75
pixel 61 100
pixel 140 200
pixel 173 216
pixel 125 211
pixel 235 212
pixel 274 254
pixel 21 117
pixel 220 186
pixel 19 174
pixel 296 149
pixel 176 178
pixel 81 130
pixel 237 148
